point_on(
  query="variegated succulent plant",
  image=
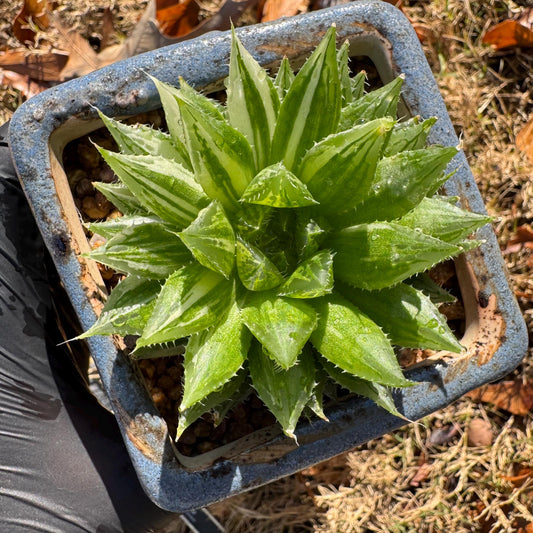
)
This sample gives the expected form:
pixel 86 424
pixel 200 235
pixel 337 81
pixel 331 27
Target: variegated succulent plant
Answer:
pixel 280 236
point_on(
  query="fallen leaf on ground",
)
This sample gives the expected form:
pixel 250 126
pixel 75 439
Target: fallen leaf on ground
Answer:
pixel 275 9
pixel 524 139
pixel 421 475
pixel 177 19
pixel 443 435
pixel 40 66
pixel 511 33
pixel 515 396
pixel 32 13
pixel 108 29
pixel 521 476
pixel 22 83
pixel 480 433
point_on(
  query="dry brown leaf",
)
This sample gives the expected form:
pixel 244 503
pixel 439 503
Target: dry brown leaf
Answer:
pixel 480 432
pixel 524 233
pixel 275 9
pixel 523 474
pixel 510 33
pixel 108 28
pixel 515 396
pixel 31 12
pixel 421 475
pixel 443 435
pixel 524 139
pixel 22 83
pixel 40 66
pixel 177 19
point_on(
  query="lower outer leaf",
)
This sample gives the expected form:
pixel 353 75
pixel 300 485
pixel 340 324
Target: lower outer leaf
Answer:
pixel 284 392
pixel 406 315
pixel 349 339
pixel 380 394
pixel 217 398
pixel 213 357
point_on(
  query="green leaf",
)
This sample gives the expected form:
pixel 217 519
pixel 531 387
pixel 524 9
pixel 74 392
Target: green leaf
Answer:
pixel 358 85
pixel 121 197
pixel 192 299
pixel 339 170
pixel 114 226
pixel 311 108
pixel 380 394
pixel 162 186
pixel 402 181
pixel 284 392
pixel 443 220
pixel 313 278
pixel 344 73
pixel 144 140
pixel 408 135
pixel 423 282
pixel 127 309
pixel 211 240
pixel 168 95
pixel 281 325
pixel 148 250
pixel 252 220
pixel 284 78
pixel 215 399
pixel 377 255
pixel 213 357
pixel 253 102
pixel 256 271
pixel 276 186
pixel 380 103
pixel 407 316
pixel 349 339
pixel 316 402
pixel 221 156
pixel 308 236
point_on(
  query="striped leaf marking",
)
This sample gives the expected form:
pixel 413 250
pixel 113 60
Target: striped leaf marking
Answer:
pixel 381 254
pixel 211 240
pixel 276 186
pixel 380 103
pixel 127 309
pixel 114 226
pixel 256 271
pixel 121 197
pixel 213 357
pixel 284 392
pixel 192 299
pixel 284 78
pixel 407 316
pixel 344 73
pixel 308 236
pixel 144 140
pixel 311 108
pixel 313 278
pixel 379 394
pixel 443 220
pixel 281 325
pixel 146 250
pixel 402 181
pixel 339 170
pixel 253 102
pixel 162 186
pixel 350 340
pixel 221 156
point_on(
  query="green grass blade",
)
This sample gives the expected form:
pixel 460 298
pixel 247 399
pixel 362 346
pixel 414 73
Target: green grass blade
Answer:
pixel 350 340
pixel 162 186
pixel 211 240
pixel 381 254
pixel 213 357
pixel 339 170
pixel 148 250
pixel 311 108
pixel 313 278
pixel 443 220
pixel 281 325
pixel 253 102
pixel 406 315
pixel 127 309
pixel 284 392
pixel 192 299
pixel 275 186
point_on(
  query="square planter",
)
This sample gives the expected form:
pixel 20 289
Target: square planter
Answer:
pixel 495 334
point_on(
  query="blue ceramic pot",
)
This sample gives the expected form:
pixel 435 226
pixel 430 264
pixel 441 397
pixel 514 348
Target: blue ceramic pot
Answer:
pixel 495 332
